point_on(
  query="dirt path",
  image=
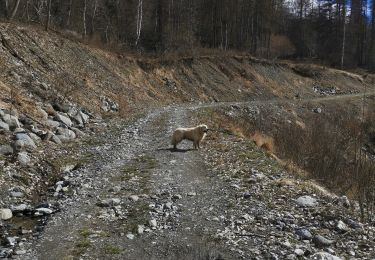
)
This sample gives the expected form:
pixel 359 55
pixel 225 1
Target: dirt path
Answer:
pixel 140 200
pixel 175 189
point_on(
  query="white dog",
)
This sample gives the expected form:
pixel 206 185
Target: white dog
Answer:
pixel 194 134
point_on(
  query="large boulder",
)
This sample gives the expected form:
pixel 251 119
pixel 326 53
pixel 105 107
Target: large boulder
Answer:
pixel 23 158
pixel 6 150
pixel 35 137
pixel 12 121
pixel 55 139
pixel 28 142
pixel 4 126
pixel 67 133
pixel 306 201
pixel 52 123
pixel 64 119
pixel 43 113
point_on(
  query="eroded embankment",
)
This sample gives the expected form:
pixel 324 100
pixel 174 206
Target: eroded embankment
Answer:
pixel 329 139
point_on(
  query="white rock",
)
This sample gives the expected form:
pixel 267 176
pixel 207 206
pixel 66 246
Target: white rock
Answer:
pixel 341 226
pixel 307 201
pixel 134 197
pixel 299 252
pixel 28 142
pixel 130 236
pixel 23 158
pixel 4 126
pixel 5 214
pixel 153 223
pixel 64 119
pixel 324 256
pixel 140 229
pixel 12 121
pixel 45 211
pixel 52 123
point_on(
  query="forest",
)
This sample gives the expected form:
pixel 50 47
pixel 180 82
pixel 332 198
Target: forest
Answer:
pixel 337 33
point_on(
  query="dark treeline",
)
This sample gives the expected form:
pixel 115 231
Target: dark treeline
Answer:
pixel 337 32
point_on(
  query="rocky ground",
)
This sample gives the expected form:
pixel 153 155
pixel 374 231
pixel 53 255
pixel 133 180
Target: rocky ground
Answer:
pixel 128 196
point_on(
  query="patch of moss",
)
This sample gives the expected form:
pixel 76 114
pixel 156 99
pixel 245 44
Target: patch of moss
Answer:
pixel 85 232
pixel 112 249
pixel 84 243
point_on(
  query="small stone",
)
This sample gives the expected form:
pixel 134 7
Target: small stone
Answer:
pixel 130 236
pixel 177 197
pixel 304 234
pixel 247 195
pixel 321 241
pixel 354 224
pixel 134 198
pixel 17 194
pixel 20 252
pixel 140 229
pixel 324 256
pixel 168 205
pixel 299 252
pixel 153 223
pixel 19 208
pixel 44 211
pixel 341 226
pixel 235 186
pixel 109 202
pixel 5 214
pixel 12 241
pixel 306 201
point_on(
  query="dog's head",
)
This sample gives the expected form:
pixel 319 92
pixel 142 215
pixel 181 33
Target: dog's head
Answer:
pixel 203 128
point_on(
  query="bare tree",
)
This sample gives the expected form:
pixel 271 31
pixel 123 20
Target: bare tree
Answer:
pixel 14 11
pixel 139 20
pixel 48 15
pixel 84 18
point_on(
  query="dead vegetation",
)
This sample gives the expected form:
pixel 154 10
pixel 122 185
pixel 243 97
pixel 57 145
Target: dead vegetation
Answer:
pixel 335 149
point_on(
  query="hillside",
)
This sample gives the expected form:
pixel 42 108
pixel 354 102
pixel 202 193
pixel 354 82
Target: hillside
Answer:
pixel 50 67
pixel 87 170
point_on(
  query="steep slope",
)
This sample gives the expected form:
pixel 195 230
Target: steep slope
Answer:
pixel 40 66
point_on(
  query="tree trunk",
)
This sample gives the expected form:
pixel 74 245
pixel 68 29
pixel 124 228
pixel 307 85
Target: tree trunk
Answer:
pixel 69 13
pixel 139 21
pixel 84 19
pixel 93 16
pixel 343 44
pixel 14 11
pixel 48 15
